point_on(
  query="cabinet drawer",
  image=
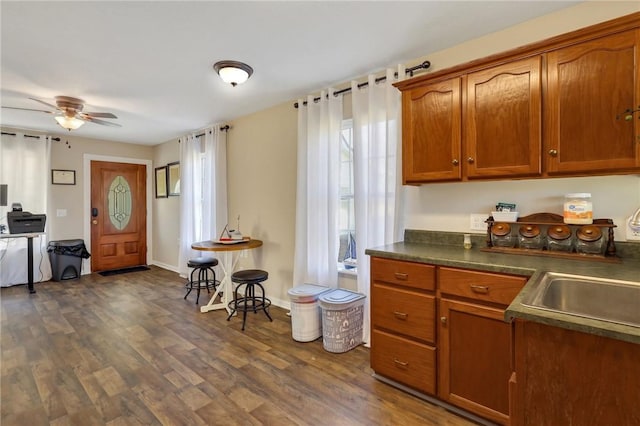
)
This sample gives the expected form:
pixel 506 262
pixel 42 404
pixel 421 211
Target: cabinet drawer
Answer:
pixel 483 286
pixel 410 363
pixel 403 311
pixel 408 274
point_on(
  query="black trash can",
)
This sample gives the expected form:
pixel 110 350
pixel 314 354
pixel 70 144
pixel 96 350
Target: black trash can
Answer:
pixel 66 258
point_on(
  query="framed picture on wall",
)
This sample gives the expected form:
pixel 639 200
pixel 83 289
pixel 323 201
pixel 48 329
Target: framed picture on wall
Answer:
pixel 161 182
pixel 63 177
pixel 174 178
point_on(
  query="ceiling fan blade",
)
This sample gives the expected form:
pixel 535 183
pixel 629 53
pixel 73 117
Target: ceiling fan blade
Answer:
pixel 100 114
pixel 45 103
pixel 97 121
pixel 29 109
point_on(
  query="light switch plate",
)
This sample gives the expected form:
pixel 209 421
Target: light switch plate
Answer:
pixel 632 234
pixel 477 222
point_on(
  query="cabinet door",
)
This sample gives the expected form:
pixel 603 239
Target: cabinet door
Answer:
pixel 566 377
pixel 475 359
pixel 503 111
pixel 589 85
pixel 432 132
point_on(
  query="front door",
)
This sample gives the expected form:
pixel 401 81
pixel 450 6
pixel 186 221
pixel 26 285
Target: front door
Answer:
pixel 118 215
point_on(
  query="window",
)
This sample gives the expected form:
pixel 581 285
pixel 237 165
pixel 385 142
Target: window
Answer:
pixel 199 196
pixel 346 212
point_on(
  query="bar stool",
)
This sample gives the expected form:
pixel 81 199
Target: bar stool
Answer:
pixel 204 267
pixel 249 279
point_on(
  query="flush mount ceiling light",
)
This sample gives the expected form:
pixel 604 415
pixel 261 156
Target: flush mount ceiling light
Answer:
pixel 69 123
pixel 233 72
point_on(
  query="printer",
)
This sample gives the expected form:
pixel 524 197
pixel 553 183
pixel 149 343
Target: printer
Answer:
pixel 24 222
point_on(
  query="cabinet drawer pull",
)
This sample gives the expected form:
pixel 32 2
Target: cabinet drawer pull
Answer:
pixel 470 160
pixel 400 364
pixel 482 289
pixel 401 276
pixel 443 320
pixel 400 315
pixel 455 162
pixel 553 152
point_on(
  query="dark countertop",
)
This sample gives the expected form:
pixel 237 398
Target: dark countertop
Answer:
pixel 433 251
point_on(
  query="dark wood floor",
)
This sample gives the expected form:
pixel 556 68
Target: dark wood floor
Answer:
pixel 128 350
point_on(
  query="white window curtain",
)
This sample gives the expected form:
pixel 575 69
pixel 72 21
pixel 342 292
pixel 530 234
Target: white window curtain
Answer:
pixel 316 241
pixel 25 168
pixel 377 159
pixel 203 190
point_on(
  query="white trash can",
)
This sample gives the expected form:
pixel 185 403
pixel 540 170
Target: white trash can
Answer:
pixel 342 320
pixel 306 314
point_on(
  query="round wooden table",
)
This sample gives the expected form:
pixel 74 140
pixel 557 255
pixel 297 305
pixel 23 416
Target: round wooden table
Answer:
pixel 228 265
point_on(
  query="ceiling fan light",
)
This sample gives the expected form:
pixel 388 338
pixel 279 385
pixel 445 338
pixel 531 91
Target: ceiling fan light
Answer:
pixel 233 72
pixel 69 123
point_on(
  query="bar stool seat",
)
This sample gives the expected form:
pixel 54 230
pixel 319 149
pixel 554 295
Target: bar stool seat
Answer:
pixel 249 279
pixel 206 278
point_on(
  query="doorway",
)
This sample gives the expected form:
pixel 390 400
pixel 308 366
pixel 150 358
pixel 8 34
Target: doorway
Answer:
pixel 118 210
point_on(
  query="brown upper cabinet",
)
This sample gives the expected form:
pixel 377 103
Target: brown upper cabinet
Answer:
pixel 589 87
pixel 503 111
pixel 432 120
pixel 553 108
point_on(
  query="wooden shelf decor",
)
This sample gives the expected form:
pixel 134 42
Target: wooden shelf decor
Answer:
pixel 546 220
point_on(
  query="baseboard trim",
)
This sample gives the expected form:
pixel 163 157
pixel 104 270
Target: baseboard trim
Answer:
pixel 435 401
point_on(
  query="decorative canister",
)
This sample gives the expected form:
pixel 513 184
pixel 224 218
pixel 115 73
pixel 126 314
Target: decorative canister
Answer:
pixel 559 238
pixel 530 237
pixel 501 235
pixel 578 208
pixel 589 240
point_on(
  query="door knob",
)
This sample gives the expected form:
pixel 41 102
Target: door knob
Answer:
pixel 95 222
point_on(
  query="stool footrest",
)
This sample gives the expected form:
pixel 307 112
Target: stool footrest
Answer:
pixel 249 301
pixel 249 304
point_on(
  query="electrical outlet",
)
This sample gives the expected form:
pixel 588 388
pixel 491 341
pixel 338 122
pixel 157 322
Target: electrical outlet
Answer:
pixel 477 222
pixel 632 234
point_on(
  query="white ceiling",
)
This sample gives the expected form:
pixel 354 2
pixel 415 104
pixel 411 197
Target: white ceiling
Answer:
pixel 150 63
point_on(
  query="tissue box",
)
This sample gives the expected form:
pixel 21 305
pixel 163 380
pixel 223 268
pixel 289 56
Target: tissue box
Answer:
pixel 505 216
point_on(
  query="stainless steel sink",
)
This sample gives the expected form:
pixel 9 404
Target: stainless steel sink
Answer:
pixel 602 299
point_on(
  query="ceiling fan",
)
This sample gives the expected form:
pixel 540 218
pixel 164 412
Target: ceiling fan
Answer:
pixel 68 113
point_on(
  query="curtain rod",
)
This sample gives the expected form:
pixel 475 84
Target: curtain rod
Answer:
pixel 222 129
pixel 423 66
pixel 30 136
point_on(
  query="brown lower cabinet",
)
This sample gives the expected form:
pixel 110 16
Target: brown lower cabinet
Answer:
pixel 475 359
pixel 466 359
pixel 566 377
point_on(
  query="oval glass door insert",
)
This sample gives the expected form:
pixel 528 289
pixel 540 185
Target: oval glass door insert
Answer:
pixel 119 202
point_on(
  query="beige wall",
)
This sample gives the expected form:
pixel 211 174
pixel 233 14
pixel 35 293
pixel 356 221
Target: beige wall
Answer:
pixel 261 173
pixel 166 213
pixel 262 170
pixel 563 21
pixel 262 167
pixel 447 206
pixel 69 154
